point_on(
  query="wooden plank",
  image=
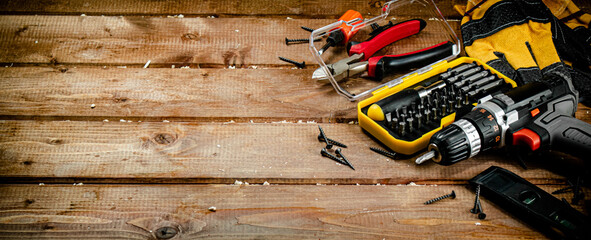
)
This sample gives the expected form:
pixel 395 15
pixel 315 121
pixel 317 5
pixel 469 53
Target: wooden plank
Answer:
pixel 195 42
pixel 241 95
pixel 171 94
pixel 225 8
pixel 247 212
pixel 130 152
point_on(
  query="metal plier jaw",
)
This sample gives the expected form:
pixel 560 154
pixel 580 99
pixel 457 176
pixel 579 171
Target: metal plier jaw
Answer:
pixel 360 52
pixel 343 68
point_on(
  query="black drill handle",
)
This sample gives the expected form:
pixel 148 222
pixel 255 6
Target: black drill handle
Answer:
pixel 569 135
pixel 561 131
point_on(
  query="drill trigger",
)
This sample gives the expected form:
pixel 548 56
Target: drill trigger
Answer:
pixel 527 137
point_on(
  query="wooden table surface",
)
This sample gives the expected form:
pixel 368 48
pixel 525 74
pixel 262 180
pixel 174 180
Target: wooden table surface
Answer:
pixel 93 145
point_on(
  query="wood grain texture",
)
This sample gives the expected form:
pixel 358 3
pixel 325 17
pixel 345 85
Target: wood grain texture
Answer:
pixel 181 94
pixel 175 94
pixel 247 212
pixel 287 153
pixel 195 42
pixel 225 8
pixel 177 140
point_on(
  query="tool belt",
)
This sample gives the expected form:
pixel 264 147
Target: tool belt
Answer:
pixel 527 39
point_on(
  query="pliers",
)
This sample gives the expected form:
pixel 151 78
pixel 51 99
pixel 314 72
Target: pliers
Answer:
pixel 360 59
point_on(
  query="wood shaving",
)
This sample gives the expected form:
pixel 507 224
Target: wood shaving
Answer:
pixel 147 64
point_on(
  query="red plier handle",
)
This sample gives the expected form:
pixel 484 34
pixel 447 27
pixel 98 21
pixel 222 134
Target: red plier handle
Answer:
pixel 399 31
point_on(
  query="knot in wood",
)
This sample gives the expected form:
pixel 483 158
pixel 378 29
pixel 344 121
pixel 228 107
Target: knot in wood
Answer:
pixel 376 4
pixel 55 141
pixel 164 138
pixel 166 232
pixel 190 36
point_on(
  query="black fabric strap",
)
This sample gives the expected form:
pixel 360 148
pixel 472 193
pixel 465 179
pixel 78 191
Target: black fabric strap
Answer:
pixel 572 16
pixel 502 15
pixel 475 7
pixel 583 33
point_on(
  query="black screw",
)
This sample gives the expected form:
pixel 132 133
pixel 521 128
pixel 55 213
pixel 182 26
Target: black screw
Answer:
pixel 166 232
pixel 325 153
pixel 307 29
pixel 339 154
pixel 563 190
pixel 475 209
pixel 299 40
pixel 297 64
pixel 328 144
pixel 481 214
pixel 577 194
pixel 452 195
pixel 383 152
pixel 333 142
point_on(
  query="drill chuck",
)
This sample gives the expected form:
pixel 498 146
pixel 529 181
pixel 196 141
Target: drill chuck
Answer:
pixel 455 143
pixel 478 131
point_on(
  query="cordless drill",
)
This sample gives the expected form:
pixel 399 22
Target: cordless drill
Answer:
pixel 539 115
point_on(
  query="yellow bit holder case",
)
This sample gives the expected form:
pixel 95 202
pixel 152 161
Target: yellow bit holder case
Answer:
pixel 409 147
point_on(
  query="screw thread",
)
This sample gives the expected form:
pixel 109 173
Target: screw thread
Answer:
pixel 298 64
pixel 307 29
pixel 562 190
pixel 452 194
pixel 383 152
pixel 477 200
pixel 325 153
pixel 328 144
pixel 333 142
pixel 339 154
pixel 297 40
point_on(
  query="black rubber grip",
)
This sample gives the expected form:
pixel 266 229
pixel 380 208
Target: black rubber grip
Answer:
pixel 570 135
pixel 564 132
pixel 389 64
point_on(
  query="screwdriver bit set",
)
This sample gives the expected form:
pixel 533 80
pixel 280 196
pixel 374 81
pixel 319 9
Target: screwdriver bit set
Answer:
pixel 405 116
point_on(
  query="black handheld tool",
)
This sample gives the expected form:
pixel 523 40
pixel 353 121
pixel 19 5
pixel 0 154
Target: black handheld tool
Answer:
pixel 344 32
pixel 539 115
pixel 532 204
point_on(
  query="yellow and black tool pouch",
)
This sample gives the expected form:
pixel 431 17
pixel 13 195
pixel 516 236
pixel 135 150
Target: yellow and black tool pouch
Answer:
pixel 527 39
